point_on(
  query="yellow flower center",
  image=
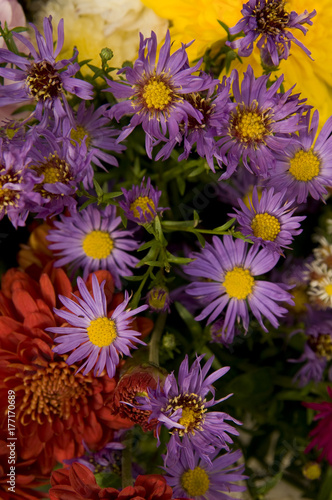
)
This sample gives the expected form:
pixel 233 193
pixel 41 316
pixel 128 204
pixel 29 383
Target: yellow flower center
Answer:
pixel 322 345
pixel 98 244
pixel 312 470
pixel 249 126
pixel 265 226
pixel 193 410
pixel 143 202
pixel 238 283
pixel 301 300
pixel 79 134
pixel 195 482
pixel 156 94
pixel 305 165
pixel 102 331
pixel 54 169
pixel 328 289
pixel 51 175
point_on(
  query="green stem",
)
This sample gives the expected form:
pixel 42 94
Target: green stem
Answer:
pixel 127 479
pixel 155 338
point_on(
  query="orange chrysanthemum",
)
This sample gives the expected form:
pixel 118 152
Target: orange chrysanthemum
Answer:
pixel 56 408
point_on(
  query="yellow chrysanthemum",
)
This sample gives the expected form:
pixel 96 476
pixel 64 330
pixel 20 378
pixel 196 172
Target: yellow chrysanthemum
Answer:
pixel 198 20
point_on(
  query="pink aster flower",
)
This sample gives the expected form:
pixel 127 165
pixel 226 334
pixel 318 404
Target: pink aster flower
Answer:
pixel 322 434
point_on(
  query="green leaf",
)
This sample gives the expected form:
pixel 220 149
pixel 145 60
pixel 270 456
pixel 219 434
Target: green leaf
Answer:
pixel 225 226
pixel 181 184
pixel 200 238
pixel 177 260
pixel 270 484
pixel 99 191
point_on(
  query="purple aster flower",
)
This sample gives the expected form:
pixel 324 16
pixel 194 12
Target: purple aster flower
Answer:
pixel 182 407
pixel 92 334
pixel 317 353
pixel 192 477
pixel 153 92
pixel 268 23
pixel 141 203
pixel 17 182
pixel 41 77
pixel 158 299
pixel 219 335
pixel 268 221
pixel 61 166
pixel 231 270
pixel 89 239
pixel 213 108
pixel 302 167
pixel 99 137
pixel 258 125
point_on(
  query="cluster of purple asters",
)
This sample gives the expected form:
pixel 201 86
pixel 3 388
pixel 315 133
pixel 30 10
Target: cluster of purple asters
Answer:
pixel 197 434
pixel 45 158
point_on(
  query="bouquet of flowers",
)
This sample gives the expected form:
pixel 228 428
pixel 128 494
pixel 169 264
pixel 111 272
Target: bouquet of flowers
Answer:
pixel 166 237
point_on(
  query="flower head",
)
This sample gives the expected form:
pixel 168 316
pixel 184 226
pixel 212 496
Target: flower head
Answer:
pixel 141 203
pixel 100 139
pixel 92 334
pixel 230 270
pixel 17 183
pixel 258 125
pixel 322 434
pixel 269 220
pixel 60 167
pixel 302 166
pixel 268 23
pixel 317 352
pixel 41 77
pixel 192 477
pixel 182 407
pixel 154 91
pixel 90 239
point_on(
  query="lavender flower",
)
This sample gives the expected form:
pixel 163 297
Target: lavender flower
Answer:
pixel 231 270
pixel 17 182
pixel 61 166
pixel 181 406
pixel 214 108
pixel 268 23
pixel 153 92
pixel 42 77
pixel 302 167
pixel 192 477
pixel 99 138
pixel 258 124
pixel 92 334
pixel 268 221
pixel 317 353
pixel 141 203
pixel 90 239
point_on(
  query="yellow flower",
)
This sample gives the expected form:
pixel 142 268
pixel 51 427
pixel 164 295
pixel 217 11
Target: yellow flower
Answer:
pixel 198 20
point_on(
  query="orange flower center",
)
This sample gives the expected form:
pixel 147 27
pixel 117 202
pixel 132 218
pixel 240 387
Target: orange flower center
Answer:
pixel 55 391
